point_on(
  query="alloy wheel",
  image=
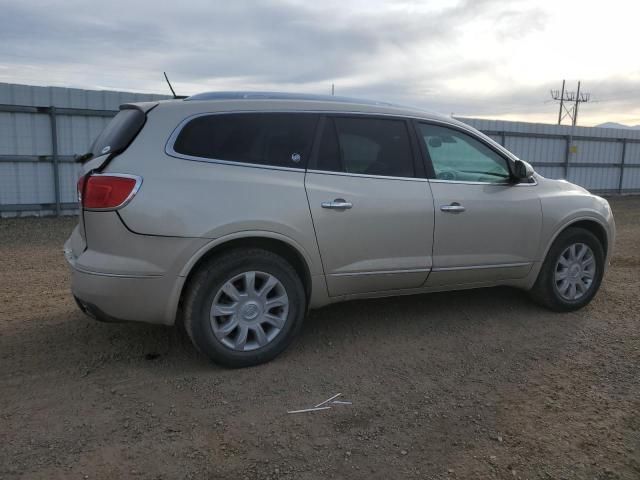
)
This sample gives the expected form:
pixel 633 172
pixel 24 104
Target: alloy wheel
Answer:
pixel 575 271
pixel 249 311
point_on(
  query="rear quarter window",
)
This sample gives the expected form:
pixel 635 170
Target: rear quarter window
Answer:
pixel 276 139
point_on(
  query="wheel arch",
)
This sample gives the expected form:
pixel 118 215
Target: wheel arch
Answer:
pixel 278 244
pixel 590 224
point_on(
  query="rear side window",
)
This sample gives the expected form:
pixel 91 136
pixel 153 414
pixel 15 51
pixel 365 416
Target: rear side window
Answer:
pixel 278 139
pixel 368 146
pixel 119 132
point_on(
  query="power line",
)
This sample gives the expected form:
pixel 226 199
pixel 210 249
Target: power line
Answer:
pixel 573 98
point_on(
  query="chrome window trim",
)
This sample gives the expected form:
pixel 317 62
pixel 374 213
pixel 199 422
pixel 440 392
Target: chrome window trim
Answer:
pixel 193 158
pixel 135 189
pixel 170 150
pixel 364 175
pixel 169 146
pixel 504 184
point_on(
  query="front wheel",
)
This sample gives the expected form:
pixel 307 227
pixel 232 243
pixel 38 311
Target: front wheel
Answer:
pixel 244 307
pixel 572 271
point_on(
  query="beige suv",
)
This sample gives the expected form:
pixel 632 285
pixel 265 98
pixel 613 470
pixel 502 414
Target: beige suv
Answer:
pixel 235 213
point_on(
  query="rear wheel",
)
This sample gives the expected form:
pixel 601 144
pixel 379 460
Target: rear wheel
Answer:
pixel 572 271
pixel 244 307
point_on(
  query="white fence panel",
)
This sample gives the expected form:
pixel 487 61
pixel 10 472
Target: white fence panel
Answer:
pixel 589 151
pixel 536 150
pixel 595 178
pixel 632 154
pixel 27 169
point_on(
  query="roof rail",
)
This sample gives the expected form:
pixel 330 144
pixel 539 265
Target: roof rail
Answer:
pixel 282 96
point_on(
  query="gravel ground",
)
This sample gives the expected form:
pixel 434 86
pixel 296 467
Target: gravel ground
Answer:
pixel 475 384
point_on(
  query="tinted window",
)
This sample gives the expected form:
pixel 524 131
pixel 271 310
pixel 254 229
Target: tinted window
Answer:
pixel 458 156
pixel 367 146
pixel 119 132
pixel 281 139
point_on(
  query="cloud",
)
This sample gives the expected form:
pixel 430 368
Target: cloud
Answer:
pixel 447 54
pixel 270 42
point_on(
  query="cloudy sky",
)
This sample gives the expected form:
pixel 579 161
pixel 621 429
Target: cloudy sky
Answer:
pixel 482 58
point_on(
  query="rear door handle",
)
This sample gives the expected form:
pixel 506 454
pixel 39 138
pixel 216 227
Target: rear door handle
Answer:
pixel 455 207
pixel 337 204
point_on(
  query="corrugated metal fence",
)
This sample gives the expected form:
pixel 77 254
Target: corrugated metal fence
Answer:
pixel 604 160
pixel 42 128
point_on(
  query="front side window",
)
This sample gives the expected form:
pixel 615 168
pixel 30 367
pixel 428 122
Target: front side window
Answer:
pixel 278 139
pixel 367 146
pixel 458 156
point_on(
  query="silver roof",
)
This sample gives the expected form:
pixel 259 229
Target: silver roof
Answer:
pixel 283 96
pixel 320 102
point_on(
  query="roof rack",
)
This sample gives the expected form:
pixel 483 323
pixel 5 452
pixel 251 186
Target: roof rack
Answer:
pixel 282 96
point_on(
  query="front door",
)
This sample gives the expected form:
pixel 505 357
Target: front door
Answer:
pixel 373 216
pixel 487 228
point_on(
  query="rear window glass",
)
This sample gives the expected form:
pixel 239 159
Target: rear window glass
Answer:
pixel 279 139
pixel 119 132
pixel 369 146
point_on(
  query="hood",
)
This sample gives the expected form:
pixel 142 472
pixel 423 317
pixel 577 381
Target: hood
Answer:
pixel 561 185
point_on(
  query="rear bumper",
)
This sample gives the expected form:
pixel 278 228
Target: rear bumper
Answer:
pixel 121 299
pixel 94 312
pixel 118 275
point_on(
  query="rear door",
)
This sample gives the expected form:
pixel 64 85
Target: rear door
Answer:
pixel 371 205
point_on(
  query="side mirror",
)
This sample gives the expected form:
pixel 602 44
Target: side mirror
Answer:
pixel 522 170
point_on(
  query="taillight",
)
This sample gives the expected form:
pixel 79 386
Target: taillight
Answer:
pixel 80 186
pixel 107 192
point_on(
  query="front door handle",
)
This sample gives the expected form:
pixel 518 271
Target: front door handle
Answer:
pixel 455 207
pixel 337 204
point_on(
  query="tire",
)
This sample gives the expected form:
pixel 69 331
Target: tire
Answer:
pixel 547 290
pixel 211 327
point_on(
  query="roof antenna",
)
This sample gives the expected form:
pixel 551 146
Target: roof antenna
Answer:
pixel 177 97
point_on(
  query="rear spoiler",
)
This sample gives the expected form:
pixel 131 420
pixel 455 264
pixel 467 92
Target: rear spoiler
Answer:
pixel 144 107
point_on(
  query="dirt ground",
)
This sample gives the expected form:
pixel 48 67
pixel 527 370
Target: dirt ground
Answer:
pixel 475 384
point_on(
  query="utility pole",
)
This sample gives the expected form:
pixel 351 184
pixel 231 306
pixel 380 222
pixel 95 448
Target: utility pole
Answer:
pixel 575 98
pixel 561 103
pixel 575 108
pixel 333 90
